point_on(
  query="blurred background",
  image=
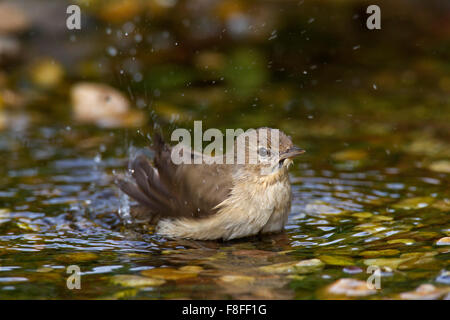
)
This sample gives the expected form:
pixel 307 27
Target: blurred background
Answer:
pixel 239 63
pixel 371 107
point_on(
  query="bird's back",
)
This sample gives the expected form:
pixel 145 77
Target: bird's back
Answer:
pixel 167 190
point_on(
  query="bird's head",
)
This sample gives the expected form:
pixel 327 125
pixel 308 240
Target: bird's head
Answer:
pixel 267 150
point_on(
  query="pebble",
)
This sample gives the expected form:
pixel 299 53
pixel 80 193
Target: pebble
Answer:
pixel 425 292
pixel 171 273
pixel 445 241
pixel 12 19
pixel 127 280
pixel 414 203
pixel 350 287
pixel 103 105
pixel 299 267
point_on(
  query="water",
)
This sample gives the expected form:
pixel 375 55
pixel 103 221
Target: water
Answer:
pixel 60 207
pixel 372 189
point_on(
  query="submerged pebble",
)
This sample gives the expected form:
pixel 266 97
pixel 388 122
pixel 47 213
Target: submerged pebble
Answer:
pixel 443 241
pixel 237 280
pixel 414 203
pixel 425 292
pixel 128 280
pixel 104 106
pixel 350 287
pixel 12 19
pixel 299 267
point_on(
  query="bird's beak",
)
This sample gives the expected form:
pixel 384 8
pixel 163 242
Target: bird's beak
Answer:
pixel 291 153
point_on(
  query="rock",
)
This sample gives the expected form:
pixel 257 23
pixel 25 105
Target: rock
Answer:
pixel 445 241
pixel 350 287
pixel 103 105
pixel 299 267
pixel 405 261
pixel 362 215
pixel 337 260
pixel 12 19
pixel 127 280
pixel 308 266
pixel 440 166
pixel 414 203
pixel 403 241
pixel 425 292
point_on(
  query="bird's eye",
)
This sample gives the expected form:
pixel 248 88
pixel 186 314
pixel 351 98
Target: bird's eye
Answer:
pixel 263 152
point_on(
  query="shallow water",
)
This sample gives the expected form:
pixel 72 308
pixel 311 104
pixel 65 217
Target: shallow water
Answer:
pixel 372 189
pixel 60 209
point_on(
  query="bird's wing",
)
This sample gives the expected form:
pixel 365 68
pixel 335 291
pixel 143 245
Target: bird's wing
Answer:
pixel 170 190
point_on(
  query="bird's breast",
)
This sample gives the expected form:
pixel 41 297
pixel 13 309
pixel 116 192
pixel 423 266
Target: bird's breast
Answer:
pixel 250 209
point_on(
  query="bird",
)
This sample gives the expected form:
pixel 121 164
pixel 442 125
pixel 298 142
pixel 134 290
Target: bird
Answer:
pixel 215 201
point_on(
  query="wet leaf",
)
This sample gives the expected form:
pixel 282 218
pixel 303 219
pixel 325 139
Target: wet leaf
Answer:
pixel 12 18
pixel 444 277
pixel 103 105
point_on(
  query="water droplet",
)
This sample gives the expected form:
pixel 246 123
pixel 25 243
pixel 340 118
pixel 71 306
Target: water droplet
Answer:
pixel 112 51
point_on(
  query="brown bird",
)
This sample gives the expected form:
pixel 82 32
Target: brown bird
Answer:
pixel 215 201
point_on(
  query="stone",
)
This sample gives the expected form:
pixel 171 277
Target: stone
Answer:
pixel 350 287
